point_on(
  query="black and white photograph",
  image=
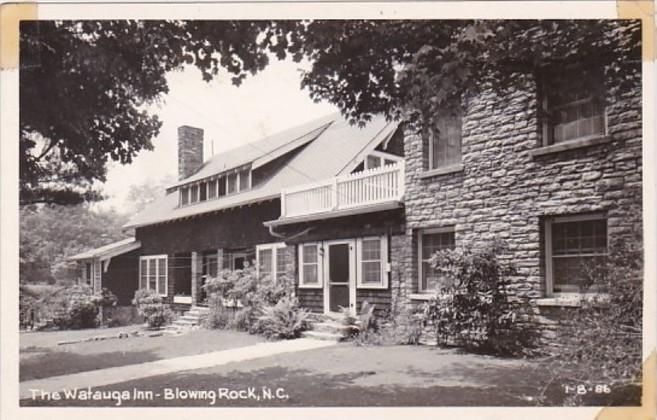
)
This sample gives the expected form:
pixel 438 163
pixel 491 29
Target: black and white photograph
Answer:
pixel 371 211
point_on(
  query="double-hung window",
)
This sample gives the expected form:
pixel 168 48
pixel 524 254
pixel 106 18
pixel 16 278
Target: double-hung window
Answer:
pixel 431 241
pixel 445 139
pixel 372 271
pixel 310 266
pixel 153 273
pixel 572 105
pixel 574 247
pixel 270 260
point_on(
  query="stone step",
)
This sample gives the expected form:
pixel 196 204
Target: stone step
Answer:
pixel 319 335
pixel 191 318
pixel 184 323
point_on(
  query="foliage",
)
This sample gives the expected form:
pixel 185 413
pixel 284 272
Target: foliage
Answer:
pixel 85 84
pixel 285 319
pixel 51 234
pixel 601 338
pixel 473 308
pixel 78 307
pixel 217 316
pixel 141 195
pixel 152 307
pixel 251 292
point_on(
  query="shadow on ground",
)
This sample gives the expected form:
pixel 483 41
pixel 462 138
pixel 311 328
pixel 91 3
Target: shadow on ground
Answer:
pixel 47 362
pixel 300 387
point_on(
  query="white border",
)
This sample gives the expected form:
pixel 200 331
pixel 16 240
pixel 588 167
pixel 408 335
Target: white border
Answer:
pixel 421 10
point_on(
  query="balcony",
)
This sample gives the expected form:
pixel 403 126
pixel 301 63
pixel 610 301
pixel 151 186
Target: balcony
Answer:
pixel 369 189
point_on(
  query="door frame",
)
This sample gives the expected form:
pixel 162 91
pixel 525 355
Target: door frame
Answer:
pixel 327 273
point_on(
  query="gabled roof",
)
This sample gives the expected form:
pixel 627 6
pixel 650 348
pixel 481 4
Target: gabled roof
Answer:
pixel 109 250
pixel 332 146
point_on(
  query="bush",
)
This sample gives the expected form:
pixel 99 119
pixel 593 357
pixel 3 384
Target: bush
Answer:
pixel 602 337
pixel 217 317
pixel 151 306
pixel 251 292
pixel 78 308
pixel 473 309
pixel 285 319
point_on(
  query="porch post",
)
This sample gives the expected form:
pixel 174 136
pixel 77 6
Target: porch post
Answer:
pixel 196 276
pixel 220 259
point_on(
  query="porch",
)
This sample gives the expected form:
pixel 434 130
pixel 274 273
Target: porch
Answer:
pixel 365 191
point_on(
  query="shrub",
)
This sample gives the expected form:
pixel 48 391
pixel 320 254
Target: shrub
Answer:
pixel 217 317
pixel 151 306
pixel 77 308
pixel 285 319
pixel 253 293
pixel 473 309
pixel 602 337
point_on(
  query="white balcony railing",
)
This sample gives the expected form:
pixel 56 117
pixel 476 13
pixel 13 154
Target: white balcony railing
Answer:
pixel 372 186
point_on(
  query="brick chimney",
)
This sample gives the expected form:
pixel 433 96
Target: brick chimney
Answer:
pixel 190 150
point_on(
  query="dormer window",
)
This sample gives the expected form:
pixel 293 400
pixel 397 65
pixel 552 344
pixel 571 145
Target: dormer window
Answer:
pixel 218 186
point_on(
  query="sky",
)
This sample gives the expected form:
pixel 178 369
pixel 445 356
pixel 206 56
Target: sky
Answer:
pixel 231 116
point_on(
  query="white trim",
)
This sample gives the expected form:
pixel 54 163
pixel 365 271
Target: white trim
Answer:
pixel 156 258
pixel 320 276
pixel 352 273
pixel 385 264
pixel 422 232
pixel 274 247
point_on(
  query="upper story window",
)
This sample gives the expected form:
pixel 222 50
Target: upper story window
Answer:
pixel 574 247
pixel 572 104
pixel 209 189
pixel 445 139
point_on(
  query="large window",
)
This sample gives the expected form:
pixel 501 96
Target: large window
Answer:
pixel 208 189
pixel 153 273
pixel 445 139
pixel 373 259
pixel 572 105
pixel 270 260
pixel 429 242
pixel 309 266
pixel 575 246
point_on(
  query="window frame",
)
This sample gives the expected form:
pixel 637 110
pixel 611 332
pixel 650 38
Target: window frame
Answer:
pixel 320 277
pixel 549 262
pixel 430 166
pixel 274 247
pixel 156 258
pixel 420 260
pixel 547 125
pixel 384 263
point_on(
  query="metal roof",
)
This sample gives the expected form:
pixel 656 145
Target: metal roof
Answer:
pixel 334 146
pixel 109 250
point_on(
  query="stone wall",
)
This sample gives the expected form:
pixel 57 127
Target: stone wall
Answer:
pixel 505 190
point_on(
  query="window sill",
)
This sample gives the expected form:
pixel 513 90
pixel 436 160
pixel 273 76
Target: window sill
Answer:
pixel 571 299
pixel 442 171
pixel 570 145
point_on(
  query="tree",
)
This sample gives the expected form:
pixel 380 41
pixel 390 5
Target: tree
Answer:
pixel 140 196
pixel 84 85
pixel 51 234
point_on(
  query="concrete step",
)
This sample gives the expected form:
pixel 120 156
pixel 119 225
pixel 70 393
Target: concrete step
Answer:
pixel 332 327
pixel 191 318
pixel 319 335
pixel 184 323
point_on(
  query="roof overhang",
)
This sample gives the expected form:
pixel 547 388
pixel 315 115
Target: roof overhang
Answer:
pixel 107 251
pixel 391 205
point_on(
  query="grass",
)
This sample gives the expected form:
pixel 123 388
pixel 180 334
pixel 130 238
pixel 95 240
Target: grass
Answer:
pixel 345 375
pixel 41 357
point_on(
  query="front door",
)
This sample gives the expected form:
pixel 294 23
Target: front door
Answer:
pixel 340 291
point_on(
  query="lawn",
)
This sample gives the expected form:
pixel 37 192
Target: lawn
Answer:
pixel 346 375
pixel 41 357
